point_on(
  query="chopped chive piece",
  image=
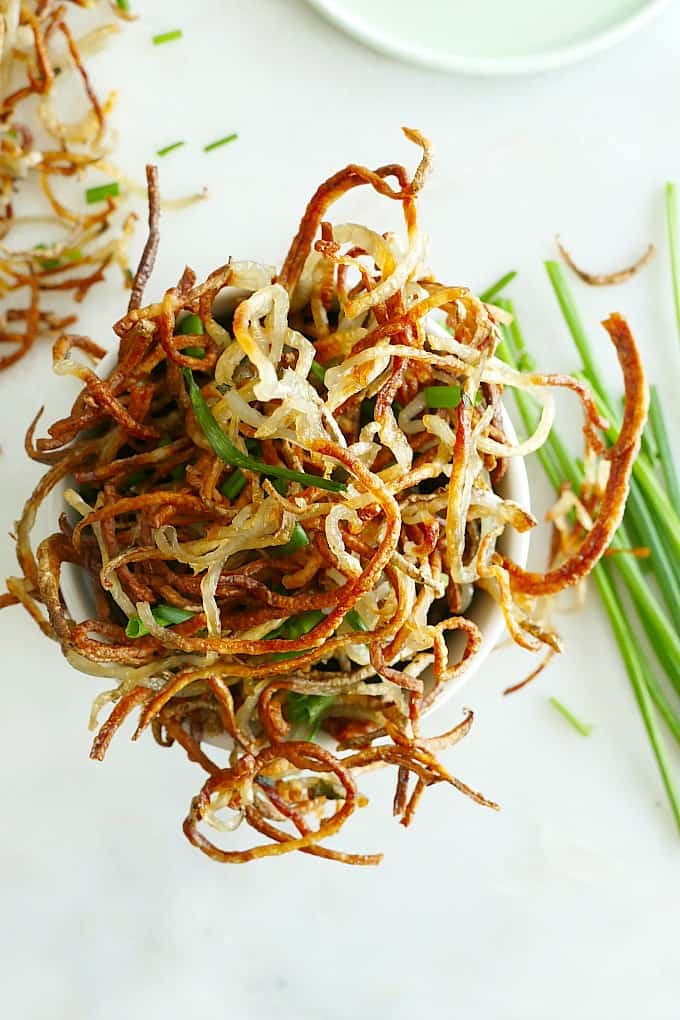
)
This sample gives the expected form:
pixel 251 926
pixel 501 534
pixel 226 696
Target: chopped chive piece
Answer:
pixel 164 616
pixel 298 540
pixel 281 486
pixel 74 255
pixel 234 485
pixel 656 417
pixel 442 396
pixel 304 622
pixel 583 728
pixel 136 477
pixel 219 142
pixel 294 628
pixel 317 371
pixel 164 37
pixel 167 149
pixel 190 325
pixel 230 454
pixel 367 411
pixel 307 709
pixel 102 192
pixel 123 5
pixel 353 619
pixel 487 295
pixel 252 445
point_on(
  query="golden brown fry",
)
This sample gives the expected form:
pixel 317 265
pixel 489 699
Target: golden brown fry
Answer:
pixel 607 279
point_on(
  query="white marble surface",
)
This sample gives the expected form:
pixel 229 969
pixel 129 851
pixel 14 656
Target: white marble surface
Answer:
pixel 564 906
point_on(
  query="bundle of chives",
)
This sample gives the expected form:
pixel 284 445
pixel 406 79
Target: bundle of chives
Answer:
pixel 651 517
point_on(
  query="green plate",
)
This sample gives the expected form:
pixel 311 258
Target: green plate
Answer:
pixel 490 36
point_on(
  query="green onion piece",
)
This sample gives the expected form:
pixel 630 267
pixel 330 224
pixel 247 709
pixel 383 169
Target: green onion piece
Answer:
pixel 308 709
pixel 164 37
pixel 194 352
pixel 234 485
pixel 656 417
pixel 252 445
pixel 674 246
pixel 281 486
pixel 230 454
pixel 169 148
pixel 317 371
pixel 220 142
pixel 583 728
pixel 442 396
pixel 164 616
pixel 298 540
pixel 123 5
pixel 353 619
pixel 102 192
pixel 487 295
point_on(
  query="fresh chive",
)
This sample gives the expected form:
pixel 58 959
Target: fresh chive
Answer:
pixel 136 478
pixel 298 540
pixel 123 5
pixel 190 325
pixel 487 295
pixel 653 491
pixel 165 37
pixel 102 192
pixel 353 620
pixel 163 614
pixel 281 486
pixel 583 728
pixel 647 534
pixel 658 423
pixel 293 628
pixel 230 454
pixel 307 710
pixel 442 396
pixel 317 371
pixel 674 246
pixel 636 673
pixel 366 411
pixel 220 142
pixel 252 445
pixel 167 149
pixel 74 255
pixel 234 485
pixel 558 466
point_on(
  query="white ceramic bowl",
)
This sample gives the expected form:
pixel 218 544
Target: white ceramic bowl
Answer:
pixel 484 611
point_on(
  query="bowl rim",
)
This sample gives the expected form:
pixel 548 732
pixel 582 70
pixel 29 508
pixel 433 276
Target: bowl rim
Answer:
pixel 484 610
pixel 459 63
